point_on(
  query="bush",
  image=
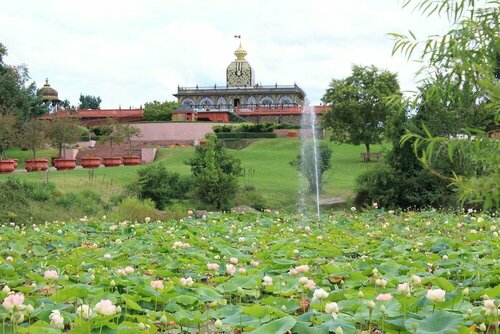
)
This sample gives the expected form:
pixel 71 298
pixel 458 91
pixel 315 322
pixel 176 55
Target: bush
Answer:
pixel 161 186
pixel 134 209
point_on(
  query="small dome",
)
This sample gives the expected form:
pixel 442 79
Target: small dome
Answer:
pixel 48 93
pixel 240 53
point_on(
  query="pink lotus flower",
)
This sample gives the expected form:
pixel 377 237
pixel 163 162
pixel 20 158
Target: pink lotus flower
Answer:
pixel 384 297
pixel 51 275
pixel 230 269
pixel 105 307
pixel 158 285
pixel 13 301
pixel 212 266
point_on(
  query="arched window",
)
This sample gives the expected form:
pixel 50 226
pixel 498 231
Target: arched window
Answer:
pixel 267 101
pixel 221 102
pixel 286 101
pixel 188 102
pixel 251 102
pixel 206 102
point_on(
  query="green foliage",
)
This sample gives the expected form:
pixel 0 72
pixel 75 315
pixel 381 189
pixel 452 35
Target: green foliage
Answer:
pixel 215 174
pixel 462 63
pixel 266 127
pixel 33 135
pixel 89 102
pixel 161 186
pixel 113 133
pixel 8 132
pixel 159 111
pixel 17 96
pixel 22 201
pixel 62 131
pixel 98 259
pixel 240 135
pixel 359 105
pixel 134 209
pixel 305 164
pixel 130 131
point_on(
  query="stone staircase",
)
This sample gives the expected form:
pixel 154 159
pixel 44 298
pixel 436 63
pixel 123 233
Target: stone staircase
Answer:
pixel 101 150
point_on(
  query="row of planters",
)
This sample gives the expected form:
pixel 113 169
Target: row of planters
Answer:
pixel 61 132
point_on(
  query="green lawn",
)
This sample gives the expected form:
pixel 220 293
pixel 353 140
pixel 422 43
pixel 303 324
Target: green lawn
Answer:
pixel 273 176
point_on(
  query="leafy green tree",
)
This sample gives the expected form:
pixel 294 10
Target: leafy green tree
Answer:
pixel 33 135
pixel 8 132
pixel 159 111
pixel 62 131
pixel 466 58
pixel 113 133
pixel 359 105
pixel 89 102
pixel 305 164
pixel 17 95
pixel 130 131
pixel 215 173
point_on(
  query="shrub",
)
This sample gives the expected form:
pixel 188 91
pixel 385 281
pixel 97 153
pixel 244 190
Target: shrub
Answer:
pixel 134 209
pixel 161 186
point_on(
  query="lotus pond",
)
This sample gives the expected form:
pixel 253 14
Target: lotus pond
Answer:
pixel 351 272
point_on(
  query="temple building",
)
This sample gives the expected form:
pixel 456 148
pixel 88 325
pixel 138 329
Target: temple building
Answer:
pixel 240 94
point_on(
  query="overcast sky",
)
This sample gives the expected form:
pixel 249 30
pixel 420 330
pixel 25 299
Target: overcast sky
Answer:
pixel 130 52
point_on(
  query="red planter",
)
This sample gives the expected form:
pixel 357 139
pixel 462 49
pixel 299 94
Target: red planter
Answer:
pixel 33 165
pixel 63 164
pixel 16 162
pixel 131 160
pixel 90 162
pixel 112 161
pixel 7 166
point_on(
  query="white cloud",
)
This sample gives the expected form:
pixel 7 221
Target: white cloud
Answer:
pixel 130 52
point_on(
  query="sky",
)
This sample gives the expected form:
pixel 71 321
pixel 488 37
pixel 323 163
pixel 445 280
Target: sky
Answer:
pixel 129 52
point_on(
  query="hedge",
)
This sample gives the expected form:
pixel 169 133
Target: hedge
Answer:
pixel 224 135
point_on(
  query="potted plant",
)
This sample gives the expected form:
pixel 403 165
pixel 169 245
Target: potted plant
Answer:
pixel 113 134
pixel 32 137
pixel 7 137
pixel 130 131
pixel 63 131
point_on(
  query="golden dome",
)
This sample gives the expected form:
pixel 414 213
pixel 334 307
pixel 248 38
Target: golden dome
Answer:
pixel 240 53
pixel 48 93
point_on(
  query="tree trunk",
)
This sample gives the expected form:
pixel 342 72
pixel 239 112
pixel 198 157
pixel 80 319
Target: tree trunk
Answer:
pixel 367 152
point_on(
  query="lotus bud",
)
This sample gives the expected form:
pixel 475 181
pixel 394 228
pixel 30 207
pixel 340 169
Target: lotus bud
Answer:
pixel 465 292
pixel 164 319
pixel 371 304
pixel 382 308
pixel 141 326
pixel 118 309
pixel 283 308
pixel 6 289
pixel 112 283
pixel 482 327
pixel 29 309
pixel 361 294
pixel 339 330
pixel 218 324
pixel 469 311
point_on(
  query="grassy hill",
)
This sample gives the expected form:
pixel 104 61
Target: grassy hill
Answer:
pixel 266 164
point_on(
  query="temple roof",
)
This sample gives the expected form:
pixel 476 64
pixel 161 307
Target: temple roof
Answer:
pixel 48 93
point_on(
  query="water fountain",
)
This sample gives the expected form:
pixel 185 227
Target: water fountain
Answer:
pixel 309 155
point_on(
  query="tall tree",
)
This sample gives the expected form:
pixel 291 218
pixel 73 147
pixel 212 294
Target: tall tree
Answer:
pixel 18 95
pixel 359 105
pixel 89 102
pixel 215 173
pixel 159 111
